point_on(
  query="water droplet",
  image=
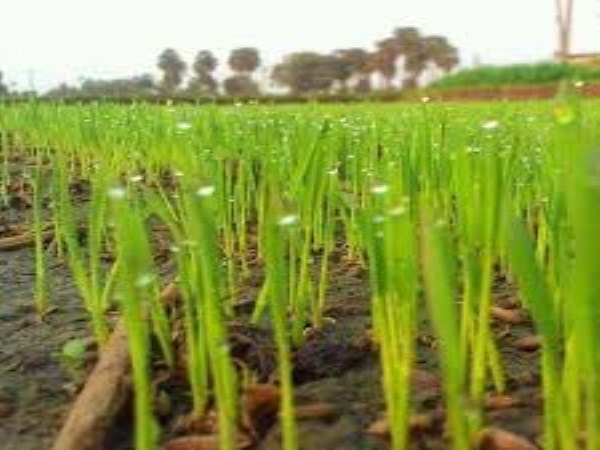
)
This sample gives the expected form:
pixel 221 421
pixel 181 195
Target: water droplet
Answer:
pixel 224 348
pixel 144 280
pixel 380 189
pixel 398 211
pixel 490 125
pixel 117 193
pixel 288 220
pixel 378 219
pixel 184 126
pixel 205 191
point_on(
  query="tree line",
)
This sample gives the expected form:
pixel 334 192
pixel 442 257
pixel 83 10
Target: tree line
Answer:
pixel 397 61
pixel 3 86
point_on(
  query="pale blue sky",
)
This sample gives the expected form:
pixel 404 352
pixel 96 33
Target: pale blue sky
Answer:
pixel 60 40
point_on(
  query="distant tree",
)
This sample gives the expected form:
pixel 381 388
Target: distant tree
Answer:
pixel 355 64
pixel 241 86
pixel 338 69
pixel 307 72
pixel 141 86
pixel 411 47
pixel 415 52
pixel 203 82
pixel 407 39
pixel 138 86
pixel 205 62
pixel 244 60
pixel 384 60
pixel 173 68
pixel 363 86
pixel 3 87
pixel 441 53
pixel 61 91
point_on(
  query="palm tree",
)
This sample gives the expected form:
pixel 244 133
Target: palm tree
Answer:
pixel 173 68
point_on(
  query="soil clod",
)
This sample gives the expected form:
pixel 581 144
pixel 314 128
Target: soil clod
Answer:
pixel 498 439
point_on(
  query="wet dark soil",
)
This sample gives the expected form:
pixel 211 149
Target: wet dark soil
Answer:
pixel 35 389
pixel 338 366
